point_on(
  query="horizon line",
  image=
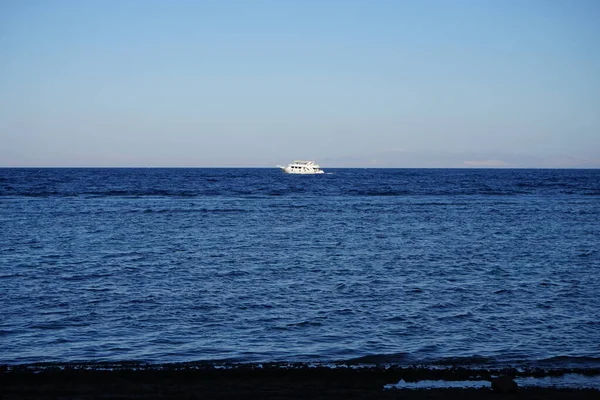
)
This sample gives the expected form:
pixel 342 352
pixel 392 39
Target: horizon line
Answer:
pixel 274 167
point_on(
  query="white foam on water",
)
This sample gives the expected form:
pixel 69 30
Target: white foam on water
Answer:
pixel 571 381
pixel 567 381
pixel 438 385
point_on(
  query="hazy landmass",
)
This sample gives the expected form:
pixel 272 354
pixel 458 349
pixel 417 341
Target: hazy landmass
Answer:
pixel 425 159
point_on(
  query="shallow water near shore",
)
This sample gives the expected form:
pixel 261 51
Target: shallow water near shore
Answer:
pixel 402 266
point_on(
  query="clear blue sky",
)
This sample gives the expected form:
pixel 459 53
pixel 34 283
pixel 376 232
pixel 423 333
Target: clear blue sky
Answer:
pixel 256 83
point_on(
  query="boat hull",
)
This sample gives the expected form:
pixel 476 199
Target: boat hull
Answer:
pixel 289 170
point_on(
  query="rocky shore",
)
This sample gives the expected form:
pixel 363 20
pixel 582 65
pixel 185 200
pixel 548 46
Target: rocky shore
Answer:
pixel 265 381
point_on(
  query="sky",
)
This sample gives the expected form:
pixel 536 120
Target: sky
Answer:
pixel 428 83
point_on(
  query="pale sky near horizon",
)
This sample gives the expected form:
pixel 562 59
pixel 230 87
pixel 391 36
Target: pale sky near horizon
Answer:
pixel 255 83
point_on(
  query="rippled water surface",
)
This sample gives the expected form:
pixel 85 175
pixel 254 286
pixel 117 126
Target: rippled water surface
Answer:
pixel 381 265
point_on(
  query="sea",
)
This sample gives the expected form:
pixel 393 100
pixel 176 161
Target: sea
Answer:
pixel 434 267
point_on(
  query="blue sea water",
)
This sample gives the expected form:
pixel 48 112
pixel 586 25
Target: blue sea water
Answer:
pixel 406 266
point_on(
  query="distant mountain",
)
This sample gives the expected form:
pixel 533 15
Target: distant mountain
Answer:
pixel 422 159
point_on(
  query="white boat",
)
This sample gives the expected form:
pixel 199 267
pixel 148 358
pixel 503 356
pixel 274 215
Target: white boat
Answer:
pixel 302 167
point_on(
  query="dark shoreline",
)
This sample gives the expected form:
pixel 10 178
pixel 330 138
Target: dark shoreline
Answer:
pixel 266 381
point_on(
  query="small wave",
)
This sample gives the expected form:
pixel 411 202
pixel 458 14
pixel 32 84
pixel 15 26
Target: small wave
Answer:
pixel 222 210
pixel 586 253
pixel 375 193
pixel 234 273
pixel 48 326
pixel 498 271
pixel 571 361
pixel 166 210
pixel 345 311
pixel 443 306
pixel 437 203
pixel 303 324
pixel 59 340
pixel 376 359
pixel 547 284
pixel 84 277
pixel 497 193
pixel 474 360
pixel 147 300
pixel 112 193
pixel 456 316
pixel 205 307
pixel 296 325
pixel 8 276
pixel 255 307
pixel 55 311
pixel 40 194
pixel 96 289
pixel 139 193
pixel 395 318
pixel 133 254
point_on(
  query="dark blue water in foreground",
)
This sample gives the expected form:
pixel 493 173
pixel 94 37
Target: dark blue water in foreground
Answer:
pixel 249 265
